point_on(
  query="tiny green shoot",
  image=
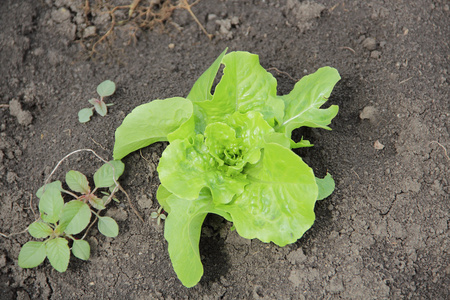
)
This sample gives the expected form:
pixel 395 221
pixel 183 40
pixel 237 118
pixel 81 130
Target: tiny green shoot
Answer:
pixel 104 89
pixel 158 215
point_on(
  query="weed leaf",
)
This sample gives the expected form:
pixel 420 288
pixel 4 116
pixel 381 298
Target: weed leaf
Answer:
pixel 55 184
pixel 81 249
pixel 58 253
pixel 100 108
pixel 50 204
pixel 75 217
pixel 39 230
pixel 97 203
pixel 104 176
pixel 32 254
pixel 106 88
pixel 77 182
pixel 108 227
pixel 85 114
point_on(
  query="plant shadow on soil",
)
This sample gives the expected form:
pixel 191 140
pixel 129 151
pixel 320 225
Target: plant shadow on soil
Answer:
pixel 215 258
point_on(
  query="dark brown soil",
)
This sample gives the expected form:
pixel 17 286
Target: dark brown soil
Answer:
pixel 383 234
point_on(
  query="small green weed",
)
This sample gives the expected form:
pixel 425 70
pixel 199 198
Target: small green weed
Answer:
pixel 104 89
pixel 158 215
pixel 59 221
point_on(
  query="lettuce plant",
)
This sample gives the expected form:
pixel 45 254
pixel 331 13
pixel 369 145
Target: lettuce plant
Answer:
pixel 230 154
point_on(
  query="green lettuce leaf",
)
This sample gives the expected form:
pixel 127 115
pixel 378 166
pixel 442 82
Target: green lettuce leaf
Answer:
pixel 239 141
pixel 216 159
pixel 245 86
pixel 186 167
pixel 186 130
pixel 302 104
pixel 182 231
pixel 201 90
pixel 150 123
pixel 326 186
pixel 162 194
pixel 278 203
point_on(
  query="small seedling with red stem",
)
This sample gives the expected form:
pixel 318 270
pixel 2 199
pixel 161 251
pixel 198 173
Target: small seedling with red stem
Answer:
pixel 104 89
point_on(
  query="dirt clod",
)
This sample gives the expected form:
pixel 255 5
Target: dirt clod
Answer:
pixel 296 257
pixel 89 31
pixel 24 117
pixel 118 214
pixel 304 13
pixel 335 285
pixel 370 113
pixel 144 201
pixel 375 54
pixel 61 15
pixel 370 44
pixel 377 145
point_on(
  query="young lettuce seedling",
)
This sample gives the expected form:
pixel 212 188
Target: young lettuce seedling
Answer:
pixel 59 222
pixel 104 89
pixel 230 154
